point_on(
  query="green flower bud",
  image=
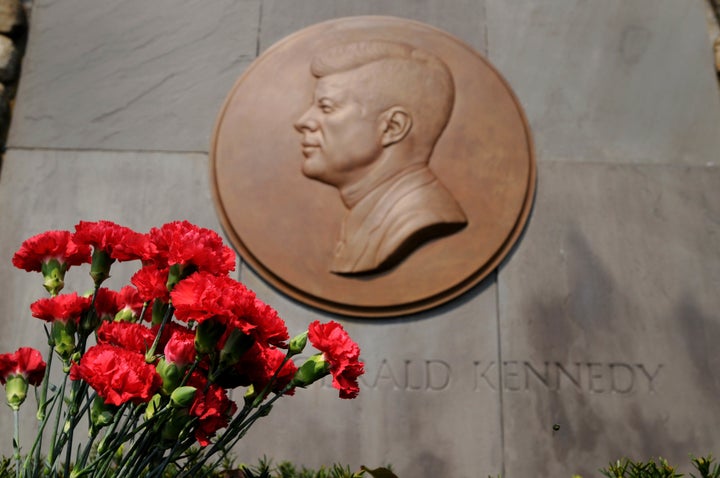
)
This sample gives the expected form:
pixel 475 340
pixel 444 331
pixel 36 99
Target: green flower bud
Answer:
pixel 236 345
pixel 250 395
pixel 125 315
pixel 177 273
pixel 54 276
pixel 89 322
pixel 159 309
pixel 16 389
pixel 207 335
pixel 63 336
pixel 182 397
pixel 153 406
pixel 101 414
pixel 170 374
pixel 100 267
pixel 297 344
pixel 173 427
pixel 311 371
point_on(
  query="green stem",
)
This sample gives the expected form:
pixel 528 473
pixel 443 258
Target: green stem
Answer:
pixel 34 453
pixel 16 441
pixel 178 448
pixel 236 430
pixel 108 453
pixel 77 393
pixel 190 371
pixel 243 428
pixel 166 318
pixel 271 382
pixel 52 454
pixel 136 451
pixel 140 446
pixel 86 452
pixel 46 381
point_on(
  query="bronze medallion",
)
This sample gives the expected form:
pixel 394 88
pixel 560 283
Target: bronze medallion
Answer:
pixel 372 166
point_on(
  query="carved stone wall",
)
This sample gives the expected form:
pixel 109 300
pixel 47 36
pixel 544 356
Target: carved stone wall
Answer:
pixel 602 320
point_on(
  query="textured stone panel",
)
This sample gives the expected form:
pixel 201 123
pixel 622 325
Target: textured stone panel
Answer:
pixel 423 407
pixel 130 75
pixel 609 319
pixel 463 18
pixel 618 80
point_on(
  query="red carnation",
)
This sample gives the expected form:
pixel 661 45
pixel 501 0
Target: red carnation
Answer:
pixel 130 303
pixel 111 238
pixel 106 303
pixel 58 245
pixel 136 246
pixel 212 407
pixel 180 348
pixel 187 245
pixel 117 375
pixel 271 329
pixel 203 296
pixel 151 283
pixel 261 364
pixel 26 362
pixel 130 336
pixel 341 353
pixel 64 308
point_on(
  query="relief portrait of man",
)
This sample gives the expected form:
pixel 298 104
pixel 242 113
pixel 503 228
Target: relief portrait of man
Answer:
pixel 377 112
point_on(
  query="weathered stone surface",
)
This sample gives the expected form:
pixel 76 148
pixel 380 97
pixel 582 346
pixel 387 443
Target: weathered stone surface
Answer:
pixel 424 407
pixel 607 309
pixel 621 81
pixel 616 281
pixel 463 18
pixel 9 60
pixel 131 75
pixel 12 16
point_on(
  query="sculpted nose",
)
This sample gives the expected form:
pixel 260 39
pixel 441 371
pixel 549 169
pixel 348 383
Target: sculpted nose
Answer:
pixel 306 122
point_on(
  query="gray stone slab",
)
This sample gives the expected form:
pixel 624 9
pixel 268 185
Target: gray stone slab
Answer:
pixel 609 319
pixel 130 75
pixel 423 406
pixel 621 81
pixel 463 18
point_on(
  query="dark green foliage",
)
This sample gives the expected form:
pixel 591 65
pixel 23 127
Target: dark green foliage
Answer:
pixel 626 468
pixel 705 466
pixel 7 469
pixel 288 470
pixel 630 469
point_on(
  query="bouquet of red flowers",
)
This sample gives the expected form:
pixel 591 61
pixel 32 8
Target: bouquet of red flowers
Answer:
pixel 151 365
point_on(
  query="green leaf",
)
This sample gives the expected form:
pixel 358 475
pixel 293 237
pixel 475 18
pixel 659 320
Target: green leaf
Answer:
pixel 379 472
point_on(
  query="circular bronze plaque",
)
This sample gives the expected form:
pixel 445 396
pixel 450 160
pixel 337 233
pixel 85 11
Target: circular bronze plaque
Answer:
pixel 372 166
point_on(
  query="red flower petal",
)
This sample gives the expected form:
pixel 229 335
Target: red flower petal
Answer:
pixel 25 361
pixel 130 336
pixel 180 242
pixel 48 245
pixel 117 241
pixel 117 375
pixel 341 353
pixel 63 307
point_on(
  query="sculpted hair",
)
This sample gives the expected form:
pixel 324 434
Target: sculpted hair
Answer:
pixel 396 74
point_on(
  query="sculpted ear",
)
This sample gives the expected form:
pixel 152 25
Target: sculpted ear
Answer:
pixel 396 125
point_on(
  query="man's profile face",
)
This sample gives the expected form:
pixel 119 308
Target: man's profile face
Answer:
pixel 341 130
